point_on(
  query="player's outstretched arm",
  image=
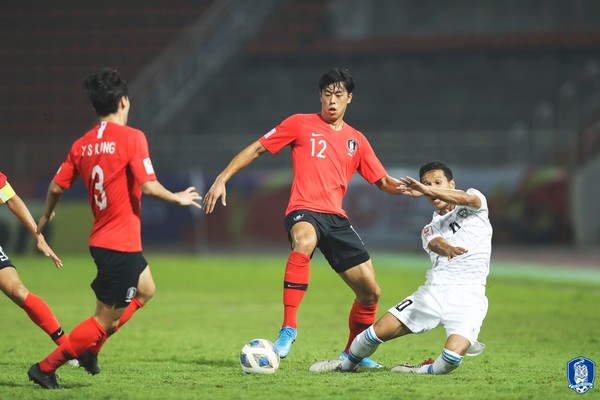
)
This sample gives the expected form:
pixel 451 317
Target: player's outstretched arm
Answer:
pixel 187 197
pixel 19 209
pixel 414 188
pixel 240 161
pixel 389 185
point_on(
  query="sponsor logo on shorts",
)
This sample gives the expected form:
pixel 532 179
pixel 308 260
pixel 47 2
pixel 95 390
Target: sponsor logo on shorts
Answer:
pixel 298 217
pixel 580 374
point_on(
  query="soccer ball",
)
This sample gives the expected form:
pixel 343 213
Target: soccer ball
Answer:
pixel 258 356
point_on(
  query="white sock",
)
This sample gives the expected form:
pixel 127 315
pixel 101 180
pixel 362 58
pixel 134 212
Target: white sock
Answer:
pixel 447 362
pixel 362 346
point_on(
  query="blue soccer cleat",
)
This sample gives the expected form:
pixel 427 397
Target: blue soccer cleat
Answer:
pixel 283 344
pixel 365 362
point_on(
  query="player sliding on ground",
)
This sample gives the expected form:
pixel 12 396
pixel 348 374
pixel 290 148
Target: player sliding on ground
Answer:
pixel 458 241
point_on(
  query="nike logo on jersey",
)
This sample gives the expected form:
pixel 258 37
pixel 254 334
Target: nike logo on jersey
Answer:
pixel 316 134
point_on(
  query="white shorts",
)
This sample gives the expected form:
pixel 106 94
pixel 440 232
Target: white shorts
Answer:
pixel 458 308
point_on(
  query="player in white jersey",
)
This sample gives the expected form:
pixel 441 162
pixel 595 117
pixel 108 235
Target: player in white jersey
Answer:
pixel 458 241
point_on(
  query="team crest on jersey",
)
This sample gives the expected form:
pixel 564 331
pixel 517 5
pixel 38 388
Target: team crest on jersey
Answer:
pixel 463 213
pixel 351 145
pixel 580 374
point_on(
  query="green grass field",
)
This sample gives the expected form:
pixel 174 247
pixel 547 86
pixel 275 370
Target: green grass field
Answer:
pixel 185 343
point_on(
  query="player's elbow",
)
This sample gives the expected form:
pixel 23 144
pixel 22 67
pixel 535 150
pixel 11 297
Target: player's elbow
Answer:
pixel 55 188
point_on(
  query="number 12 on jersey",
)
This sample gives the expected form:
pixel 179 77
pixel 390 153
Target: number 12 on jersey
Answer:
pixel 318 148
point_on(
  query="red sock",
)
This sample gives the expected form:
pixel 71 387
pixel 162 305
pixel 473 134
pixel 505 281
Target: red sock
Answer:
pixel 42 316
pixel 131 308
pixel 295 284
pixel 83 336
pixel 361 317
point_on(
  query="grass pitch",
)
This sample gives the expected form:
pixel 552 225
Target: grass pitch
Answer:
pixel 185 343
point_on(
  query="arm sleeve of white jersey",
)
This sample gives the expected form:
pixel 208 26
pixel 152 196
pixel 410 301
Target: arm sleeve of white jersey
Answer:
pixel 475 192
pixel 428 233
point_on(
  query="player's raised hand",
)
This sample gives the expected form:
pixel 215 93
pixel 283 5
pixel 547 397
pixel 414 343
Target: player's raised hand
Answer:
pixel 412 187
pixel 45 249
pixel 189 197
pixel 216 191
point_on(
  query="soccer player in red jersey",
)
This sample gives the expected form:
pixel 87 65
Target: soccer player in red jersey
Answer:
pixel 11 284
pixel 326 152
pixel 113 161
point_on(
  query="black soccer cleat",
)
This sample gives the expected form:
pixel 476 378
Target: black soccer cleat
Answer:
pixel 45 380
pixel 89 362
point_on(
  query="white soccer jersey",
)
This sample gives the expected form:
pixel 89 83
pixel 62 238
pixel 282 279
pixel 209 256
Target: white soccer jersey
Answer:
pixel 465 227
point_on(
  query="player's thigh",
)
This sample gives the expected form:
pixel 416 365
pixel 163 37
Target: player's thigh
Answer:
pixel 464 311
pixel 303 237
pixel 341 245
pixel 421 311
pixel 10 282
pixel 303 230
pixel 146 286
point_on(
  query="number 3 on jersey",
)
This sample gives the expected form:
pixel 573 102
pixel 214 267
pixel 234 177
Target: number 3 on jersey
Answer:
pixel 318 148
pixel 99 193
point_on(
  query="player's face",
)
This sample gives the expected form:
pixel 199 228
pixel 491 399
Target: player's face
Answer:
pixel 334 100
pixel 437 179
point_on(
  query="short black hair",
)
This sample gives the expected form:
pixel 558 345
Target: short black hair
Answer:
pixel 433 165
pixel 337 77
pixel 105 89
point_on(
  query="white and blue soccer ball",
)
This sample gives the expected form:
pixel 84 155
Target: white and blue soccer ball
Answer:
pixel 258 356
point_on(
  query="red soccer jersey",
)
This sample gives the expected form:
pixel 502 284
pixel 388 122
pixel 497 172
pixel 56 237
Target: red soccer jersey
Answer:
pixel 323 161
pixel 113 161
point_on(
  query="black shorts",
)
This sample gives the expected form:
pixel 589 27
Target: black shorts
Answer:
pixel 336 238
pixel 118 275
pixel 4 260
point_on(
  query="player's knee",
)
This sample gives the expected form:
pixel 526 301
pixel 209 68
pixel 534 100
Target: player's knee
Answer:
pixel 369 297
pixel 17 293
pixel 374 294
pixel 144 296
pixel 305 245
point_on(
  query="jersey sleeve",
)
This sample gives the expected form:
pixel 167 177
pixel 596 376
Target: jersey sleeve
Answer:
pixel 429 233
pixel 140 163
pixel 477 193
pixel 370 167
pixel 282 135
pixel 67 172
pixel 6 191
